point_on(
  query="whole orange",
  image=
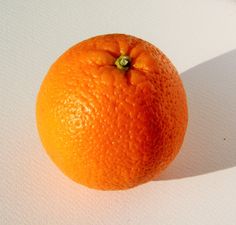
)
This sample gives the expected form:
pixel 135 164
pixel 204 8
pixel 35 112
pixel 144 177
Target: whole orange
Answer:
pixel 112 112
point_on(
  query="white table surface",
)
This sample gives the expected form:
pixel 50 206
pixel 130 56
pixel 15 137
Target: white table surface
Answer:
pixel 200 185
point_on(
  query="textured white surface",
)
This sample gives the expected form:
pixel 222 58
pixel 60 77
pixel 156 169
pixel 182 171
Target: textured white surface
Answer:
pixel 198 188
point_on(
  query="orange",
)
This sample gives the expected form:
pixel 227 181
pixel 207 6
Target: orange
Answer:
pixel 111 112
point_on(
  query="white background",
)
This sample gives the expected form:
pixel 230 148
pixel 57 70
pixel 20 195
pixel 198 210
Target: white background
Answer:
pixel 200 185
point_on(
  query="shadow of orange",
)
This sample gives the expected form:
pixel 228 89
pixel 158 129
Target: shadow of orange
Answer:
pixel 210 141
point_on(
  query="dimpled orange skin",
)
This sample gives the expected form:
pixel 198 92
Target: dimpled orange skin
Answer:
pixel 107 128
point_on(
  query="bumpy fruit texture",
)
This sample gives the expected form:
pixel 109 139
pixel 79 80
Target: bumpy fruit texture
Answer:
pixel 111 128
